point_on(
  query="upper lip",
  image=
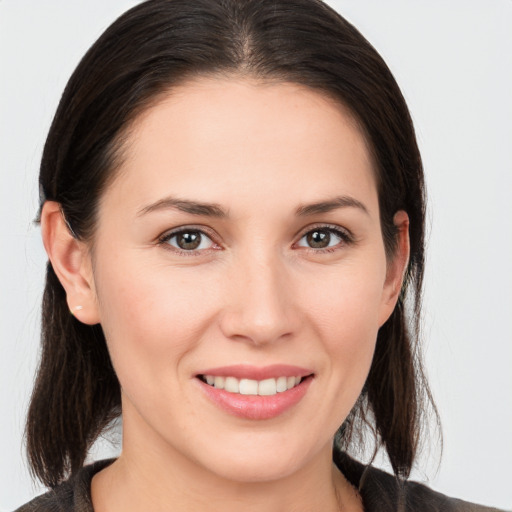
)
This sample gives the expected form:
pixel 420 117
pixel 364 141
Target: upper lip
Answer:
pixel 244 371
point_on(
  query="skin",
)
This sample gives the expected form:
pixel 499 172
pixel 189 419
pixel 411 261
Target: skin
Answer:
pixel 254 292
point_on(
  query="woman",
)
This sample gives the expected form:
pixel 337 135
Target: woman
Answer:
pixel 232 205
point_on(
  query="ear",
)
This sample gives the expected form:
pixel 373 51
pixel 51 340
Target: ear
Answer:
pixel 396 267
pixel 71 261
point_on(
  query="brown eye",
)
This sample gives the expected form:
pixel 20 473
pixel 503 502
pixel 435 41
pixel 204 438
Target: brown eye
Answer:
pixel 324 238
pixel 318 239
pixel 190 240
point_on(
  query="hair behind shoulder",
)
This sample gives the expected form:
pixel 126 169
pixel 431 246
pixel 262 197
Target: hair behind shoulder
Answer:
pixel 150 49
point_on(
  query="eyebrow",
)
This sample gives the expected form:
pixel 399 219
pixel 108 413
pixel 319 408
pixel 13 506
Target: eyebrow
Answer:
pixel 187 206
pixel 330 205
pixel 215 210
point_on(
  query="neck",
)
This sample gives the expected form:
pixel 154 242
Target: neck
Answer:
pixel 151 475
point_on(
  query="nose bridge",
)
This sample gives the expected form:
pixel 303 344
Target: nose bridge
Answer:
pixel 260 308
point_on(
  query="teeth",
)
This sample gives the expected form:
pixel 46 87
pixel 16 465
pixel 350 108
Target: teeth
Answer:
pixel 218 382
pixel 267 387
pixel 232 385
pixel 281 384
pixel 248 387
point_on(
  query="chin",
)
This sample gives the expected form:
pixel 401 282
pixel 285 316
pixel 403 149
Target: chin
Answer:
pixel 245 470
pixel 258 460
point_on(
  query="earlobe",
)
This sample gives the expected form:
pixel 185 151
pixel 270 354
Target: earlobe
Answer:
pixel 397 267
pixel 71 262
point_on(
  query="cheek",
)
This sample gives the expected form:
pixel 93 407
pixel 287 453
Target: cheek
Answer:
pixel 152 317
pixel 345 311
pixel 346 302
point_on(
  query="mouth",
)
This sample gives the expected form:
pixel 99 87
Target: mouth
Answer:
pixel 255 393
pixel 265 387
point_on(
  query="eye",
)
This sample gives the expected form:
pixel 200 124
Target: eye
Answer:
pixel 188 240
pixel 323 238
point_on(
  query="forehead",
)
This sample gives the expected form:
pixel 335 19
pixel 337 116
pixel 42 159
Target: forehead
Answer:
pixel 226 137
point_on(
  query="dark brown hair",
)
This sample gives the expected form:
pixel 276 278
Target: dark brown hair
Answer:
pixel 147 51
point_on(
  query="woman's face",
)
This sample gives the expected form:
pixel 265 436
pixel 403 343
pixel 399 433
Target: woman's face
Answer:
pixel 240 245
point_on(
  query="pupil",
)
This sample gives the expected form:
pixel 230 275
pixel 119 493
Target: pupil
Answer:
pixel 189 240
pixel 319 239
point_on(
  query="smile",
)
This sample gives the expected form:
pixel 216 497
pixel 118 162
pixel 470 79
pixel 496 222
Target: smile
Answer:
pixel 255 393
pixel 266 387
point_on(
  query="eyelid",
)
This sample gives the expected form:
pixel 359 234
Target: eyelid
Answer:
pixel 164 238
pixel 345 234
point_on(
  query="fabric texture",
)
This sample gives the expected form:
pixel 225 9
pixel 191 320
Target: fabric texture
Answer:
pixel 379 490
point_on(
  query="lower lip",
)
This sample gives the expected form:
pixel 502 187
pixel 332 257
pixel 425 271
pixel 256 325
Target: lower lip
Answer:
pixel 255 407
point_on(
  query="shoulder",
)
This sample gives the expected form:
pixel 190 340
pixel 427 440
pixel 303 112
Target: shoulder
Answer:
pixel 73 495
pixel 381 492
pixel 421 497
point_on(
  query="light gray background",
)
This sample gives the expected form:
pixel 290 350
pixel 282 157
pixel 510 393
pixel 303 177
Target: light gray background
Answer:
pixel 453 62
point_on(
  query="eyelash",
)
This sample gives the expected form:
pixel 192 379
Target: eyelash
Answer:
pixel 346 238
pixel 164 239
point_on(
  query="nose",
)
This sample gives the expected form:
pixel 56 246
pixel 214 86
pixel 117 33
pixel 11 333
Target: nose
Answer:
pixel 260 306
